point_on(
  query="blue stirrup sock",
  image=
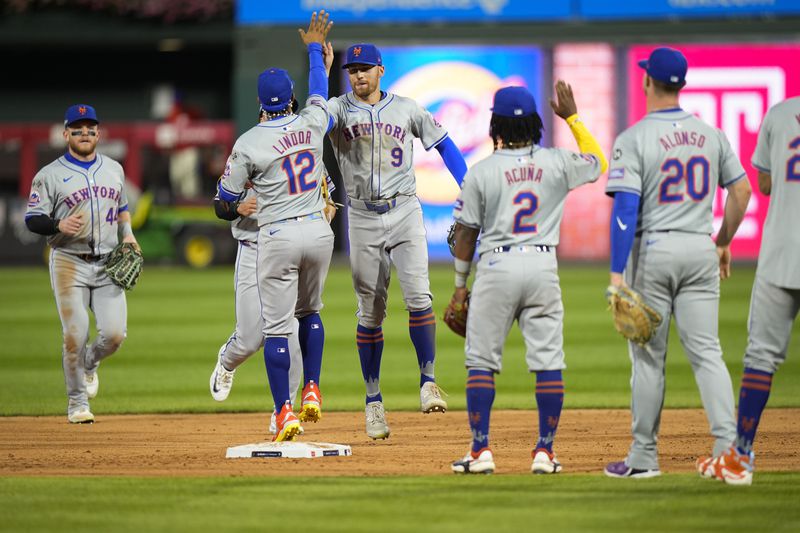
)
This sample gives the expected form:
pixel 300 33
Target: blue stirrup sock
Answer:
pixel 480 397
pixel 753 396
pixel 422 328
pixel 312 338
pixel 550 400
pixel 276 359
pixel 370 350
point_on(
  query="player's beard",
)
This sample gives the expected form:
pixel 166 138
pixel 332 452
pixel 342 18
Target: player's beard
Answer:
pixel 83 149
pixel 365 90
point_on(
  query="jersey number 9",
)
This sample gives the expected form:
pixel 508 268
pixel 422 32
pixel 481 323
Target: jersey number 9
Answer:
pixel 297 169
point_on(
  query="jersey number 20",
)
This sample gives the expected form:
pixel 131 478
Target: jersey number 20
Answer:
pixel 297 169
pixel 530 203
pixel 671 190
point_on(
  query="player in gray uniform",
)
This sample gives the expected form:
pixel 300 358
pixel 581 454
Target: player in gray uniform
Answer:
pixel 776 292
pixel 282 157
pixel 78 201
pixel 664 173
pixel 247 337
pixel 516 198
pixel 373 141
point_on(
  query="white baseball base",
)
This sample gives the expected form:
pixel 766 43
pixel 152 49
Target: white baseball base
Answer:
pixel 292 450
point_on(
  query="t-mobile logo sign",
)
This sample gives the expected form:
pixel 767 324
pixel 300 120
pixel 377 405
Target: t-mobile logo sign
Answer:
pixel 733 98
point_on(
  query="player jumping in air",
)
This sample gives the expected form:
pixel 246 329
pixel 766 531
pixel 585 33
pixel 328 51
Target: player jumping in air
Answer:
pixel 373 141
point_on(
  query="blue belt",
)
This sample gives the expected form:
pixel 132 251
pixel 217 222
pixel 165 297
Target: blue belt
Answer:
pixel 312 216
pixel 524 248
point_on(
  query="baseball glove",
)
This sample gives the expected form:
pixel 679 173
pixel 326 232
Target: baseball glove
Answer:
pixel 455 316
pixel 124 265
pixel 451 239
pixel 633 318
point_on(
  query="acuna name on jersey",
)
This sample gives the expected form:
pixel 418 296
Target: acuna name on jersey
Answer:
pixel 526 173
pixel 84 194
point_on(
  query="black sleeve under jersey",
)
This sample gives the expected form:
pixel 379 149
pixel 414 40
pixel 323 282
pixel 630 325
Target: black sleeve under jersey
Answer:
pixel 226 210
pixel 42 224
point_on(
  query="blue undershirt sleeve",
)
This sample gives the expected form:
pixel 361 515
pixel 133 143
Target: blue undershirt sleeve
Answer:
pixel 624 217
pixel 453 159
pixel 317 77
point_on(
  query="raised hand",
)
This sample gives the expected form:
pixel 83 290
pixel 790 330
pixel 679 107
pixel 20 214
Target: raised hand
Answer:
pixel 317 30
pixel 327 56
pixel 564 106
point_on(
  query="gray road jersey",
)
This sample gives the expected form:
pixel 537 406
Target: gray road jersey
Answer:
pixel 778 154
pixel 674 161
pixel 61 189
pixel 374 144
pixel 283 159
pixel 246 228
pixel 517 196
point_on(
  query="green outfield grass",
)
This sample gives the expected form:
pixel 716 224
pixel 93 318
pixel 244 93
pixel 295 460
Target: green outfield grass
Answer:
pixel 178 319
pixel 442 504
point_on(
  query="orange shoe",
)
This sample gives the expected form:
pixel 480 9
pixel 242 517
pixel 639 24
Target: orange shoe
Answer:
pixel 287 424
pixel 311 411
pixel 731 467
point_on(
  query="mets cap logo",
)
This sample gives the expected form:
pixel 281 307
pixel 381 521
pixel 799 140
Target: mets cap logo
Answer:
pixel 82 110
pixel 357 51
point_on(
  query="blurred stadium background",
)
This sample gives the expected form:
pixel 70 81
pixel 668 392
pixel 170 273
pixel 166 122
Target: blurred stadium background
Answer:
pixel 174 84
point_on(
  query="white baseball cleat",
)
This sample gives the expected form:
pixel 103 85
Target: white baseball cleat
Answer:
pixel 430 398
pixel 483 463
pixel 377 428
pixel 92 383
pixel 221 382
pixel 545 462
pixel 81 416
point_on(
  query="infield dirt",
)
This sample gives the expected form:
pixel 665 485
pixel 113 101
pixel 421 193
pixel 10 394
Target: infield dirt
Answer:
pixel 195 445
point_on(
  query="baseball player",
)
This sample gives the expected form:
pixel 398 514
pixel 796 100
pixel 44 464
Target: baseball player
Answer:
pixel 776 292
pixel 282 157
pixel 373 142
pixel 516 198
pixel 247 337
pixel 78 201
pixel 664 173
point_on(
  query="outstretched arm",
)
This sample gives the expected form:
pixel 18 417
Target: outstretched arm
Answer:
pixel 566 108
pixel 453 159
pixel 314 39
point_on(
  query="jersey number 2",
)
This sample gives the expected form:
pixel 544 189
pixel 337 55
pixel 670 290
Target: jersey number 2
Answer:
pixel 296 171
pixel 670 189
pixel 530 203
pixel 793 164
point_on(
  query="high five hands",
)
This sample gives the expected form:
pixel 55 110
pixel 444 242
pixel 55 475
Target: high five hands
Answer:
pixel 317 30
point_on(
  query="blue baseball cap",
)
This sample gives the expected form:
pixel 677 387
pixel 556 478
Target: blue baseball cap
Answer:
pixel 275 89
pixel 514 102
pixel 80 112
pixel 666 65
pixel 362 54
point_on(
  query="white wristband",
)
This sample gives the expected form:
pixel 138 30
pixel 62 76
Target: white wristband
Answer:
pixel 462 272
